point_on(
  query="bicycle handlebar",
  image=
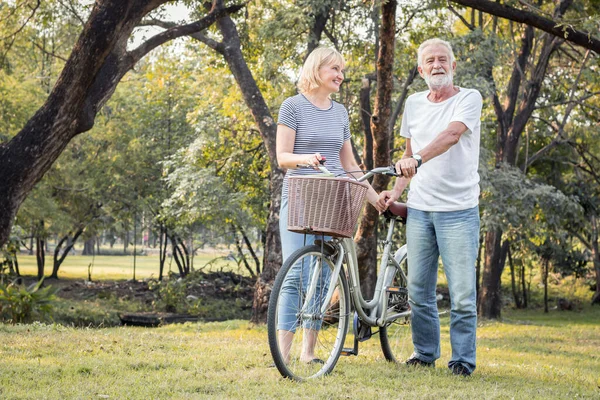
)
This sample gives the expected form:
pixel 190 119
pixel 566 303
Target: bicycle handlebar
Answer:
pixel 389 171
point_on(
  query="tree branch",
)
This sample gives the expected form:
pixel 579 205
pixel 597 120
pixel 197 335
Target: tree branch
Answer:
pixel 560 128
pixel 401 100
pixel 70 7
pixel 556 28
pixel 579 101
pixel 13 35
pixel 174 31
pixel 464 21
pixel 49 52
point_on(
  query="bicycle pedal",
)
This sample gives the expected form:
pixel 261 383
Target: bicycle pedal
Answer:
pixel 394 289
pixel 348 352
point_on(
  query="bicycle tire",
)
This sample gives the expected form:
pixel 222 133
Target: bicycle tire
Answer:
pixel 396 336
pixel 334 322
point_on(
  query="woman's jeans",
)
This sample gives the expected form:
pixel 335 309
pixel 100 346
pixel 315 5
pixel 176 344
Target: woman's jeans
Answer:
pixel 454 236
pixel 298 278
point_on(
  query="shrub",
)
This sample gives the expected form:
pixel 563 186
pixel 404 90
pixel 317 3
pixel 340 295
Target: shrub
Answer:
pixel 202 296
pixel 171 294
pixel 20 303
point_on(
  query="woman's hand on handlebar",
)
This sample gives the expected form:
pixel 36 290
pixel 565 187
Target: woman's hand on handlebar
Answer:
pixel 313 160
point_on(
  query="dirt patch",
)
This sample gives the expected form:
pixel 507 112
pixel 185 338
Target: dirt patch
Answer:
pixel 85 290
pixel 213 285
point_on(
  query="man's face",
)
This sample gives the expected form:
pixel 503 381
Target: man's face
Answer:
pixel 436 68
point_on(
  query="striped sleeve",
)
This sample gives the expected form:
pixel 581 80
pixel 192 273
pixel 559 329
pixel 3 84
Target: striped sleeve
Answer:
pixel 288 115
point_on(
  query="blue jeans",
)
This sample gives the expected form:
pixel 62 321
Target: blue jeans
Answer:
pixel 298 278
pixel 455 237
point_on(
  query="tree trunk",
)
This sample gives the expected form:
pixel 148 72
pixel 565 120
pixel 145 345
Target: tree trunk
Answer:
pixel 16 265
pixel 320 16
pixel 490 305
pixel 40 253
pixel 180 255
pixel 365 118
pixel 545 267
pixel 31 239
pixel 251 250
pixel 596 259
pixel 478 267
pixel 162 250
pixel 177 256
pixel 40 256
pixel 58 257
pixel 366 236
pixel 238 246
pixel 513 283
pixel 89 247
pixel 524 286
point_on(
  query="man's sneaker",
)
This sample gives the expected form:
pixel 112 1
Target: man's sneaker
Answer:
pixel 415 362
pixel 461 370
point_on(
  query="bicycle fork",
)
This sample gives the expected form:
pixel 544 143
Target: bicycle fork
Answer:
pixel 316 272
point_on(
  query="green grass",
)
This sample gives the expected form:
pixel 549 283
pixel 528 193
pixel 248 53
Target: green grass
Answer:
pixel 121 267
pixel 529 355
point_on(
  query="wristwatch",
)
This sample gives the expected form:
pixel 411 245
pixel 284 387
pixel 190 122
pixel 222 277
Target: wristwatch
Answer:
pixel 418 158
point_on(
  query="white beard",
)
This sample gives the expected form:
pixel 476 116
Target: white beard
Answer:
pixel 437 82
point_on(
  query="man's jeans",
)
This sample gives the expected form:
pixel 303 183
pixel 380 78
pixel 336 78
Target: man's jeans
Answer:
pixel 455 236
pixel 298 277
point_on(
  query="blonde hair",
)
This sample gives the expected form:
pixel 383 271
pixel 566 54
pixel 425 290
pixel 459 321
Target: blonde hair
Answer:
pixel 309 75
pixel 433 42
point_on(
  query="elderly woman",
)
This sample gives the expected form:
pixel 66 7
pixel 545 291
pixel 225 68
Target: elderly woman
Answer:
pixel 311 128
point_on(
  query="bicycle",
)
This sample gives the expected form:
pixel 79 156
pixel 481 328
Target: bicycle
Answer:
pixel 328 295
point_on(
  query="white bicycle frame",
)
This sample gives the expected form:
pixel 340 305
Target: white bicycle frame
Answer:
pixel 372 312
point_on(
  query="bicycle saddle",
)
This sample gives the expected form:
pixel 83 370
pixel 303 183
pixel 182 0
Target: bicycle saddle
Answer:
pixel 397 209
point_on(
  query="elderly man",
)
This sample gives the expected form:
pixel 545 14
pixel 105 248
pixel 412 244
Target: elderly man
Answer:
pixel 441 127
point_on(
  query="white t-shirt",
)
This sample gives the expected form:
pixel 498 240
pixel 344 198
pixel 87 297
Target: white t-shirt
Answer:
pixel 448 182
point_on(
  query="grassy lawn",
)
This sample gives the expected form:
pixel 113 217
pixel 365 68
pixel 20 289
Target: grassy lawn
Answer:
pixel 526 356
pixel 121 267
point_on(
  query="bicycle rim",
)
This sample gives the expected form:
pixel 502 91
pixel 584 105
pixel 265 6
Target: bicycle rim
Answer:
pixel 396 336
pixel 291 309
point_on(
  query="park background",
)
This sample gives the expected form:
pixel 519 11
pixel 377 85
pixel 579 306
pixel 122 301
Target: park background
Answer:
pixel 137 175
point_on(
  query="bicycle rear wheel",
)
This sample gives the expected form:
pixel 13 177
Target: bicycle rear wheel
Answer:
pixel 298 317
pixel 396 336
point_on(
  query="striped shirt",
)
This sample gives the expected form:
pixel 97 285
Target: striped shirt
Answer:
pixel 318 130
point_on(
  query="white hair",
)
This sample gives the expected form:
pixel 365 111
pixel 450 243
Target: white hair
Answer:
pixel 432 42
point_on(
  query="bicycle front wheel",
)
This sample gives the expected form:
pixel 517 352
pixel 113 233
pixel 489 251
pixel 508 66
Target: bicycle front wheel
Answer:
pixel 308 315
pixel 396 336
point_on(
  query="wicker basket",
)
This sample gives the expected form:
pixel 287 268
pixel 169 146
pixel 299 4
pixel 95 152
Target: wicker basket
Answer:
pixel 324 205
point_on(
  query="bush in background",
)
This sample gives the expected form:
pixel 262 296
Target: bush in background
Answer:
pixel 20 303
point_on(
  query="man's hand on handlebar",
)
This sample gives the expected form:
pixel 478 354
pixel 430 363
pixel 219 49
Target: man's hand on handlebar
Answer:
pixel 407 166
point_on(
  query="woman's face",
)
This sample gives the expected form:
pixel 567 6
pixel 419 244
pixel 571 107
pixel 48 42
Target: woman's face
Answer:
pixel 332 76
